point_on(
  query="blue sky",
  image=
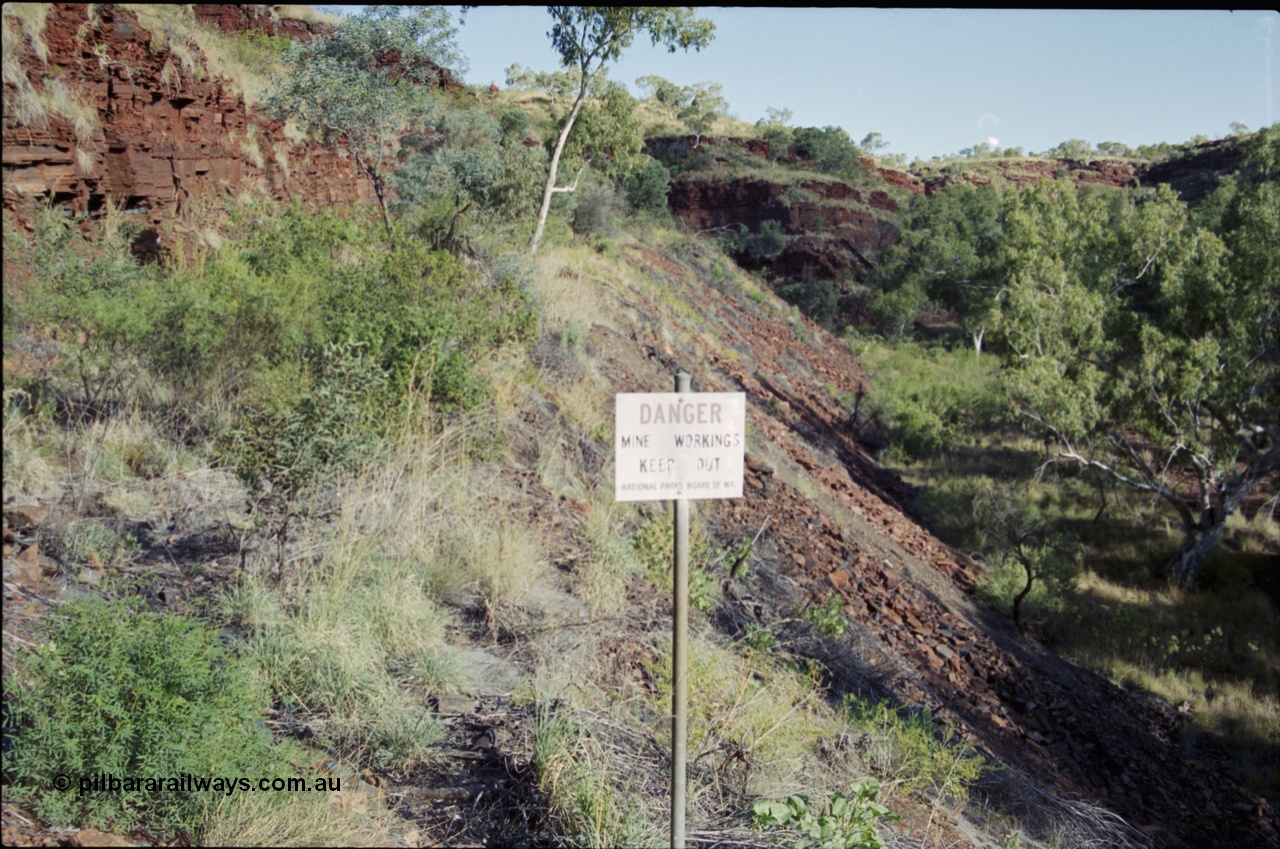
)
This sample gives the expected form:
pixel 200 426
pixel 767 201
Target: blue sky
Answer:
pixel 932 82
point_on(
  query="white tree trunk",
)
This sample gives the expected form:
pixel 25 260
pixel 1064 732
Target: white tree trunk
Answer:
pixel 550 188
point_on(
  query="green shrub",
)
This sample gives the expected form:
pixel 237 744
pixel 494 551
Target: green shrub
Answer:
pixel 598 207
pixel 841 822
pixel 912 752
pixel 930 400
pixel 646 184
pixel 330 429
pixel 91 295
pixel 121 691
pixel 828 617
pixel 654 544
pixel 816 297
pixel 769 242
pixel 830 149
pixel 257 323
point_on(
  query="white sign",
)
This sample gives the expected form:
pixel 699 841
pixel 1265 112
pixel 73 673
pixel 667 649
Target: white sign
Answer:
pixel 671 445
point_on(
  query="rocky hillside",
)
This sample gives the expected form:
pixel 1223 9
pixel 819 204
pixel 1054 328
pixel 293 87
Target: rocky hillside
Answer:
pixel 149 129
pixel 1080 756
pixel 837 230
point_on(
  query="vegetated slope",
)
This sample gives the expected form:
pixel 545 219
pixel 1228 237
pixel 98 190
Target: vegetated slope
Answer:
pixel 831 523
pixel 835 527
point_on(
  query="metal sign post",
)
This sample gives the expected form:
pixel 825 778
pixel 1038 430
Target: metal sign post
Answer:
pixel 679 446
pixel 680 657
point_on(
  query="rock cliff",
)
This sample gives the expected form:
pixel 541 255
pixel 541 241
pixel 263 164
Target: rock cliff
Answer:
pixel 166 135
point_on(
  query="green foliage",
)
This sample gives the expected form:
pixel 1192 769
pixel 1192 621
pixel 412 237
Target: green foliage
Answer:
pixel 598 207
pixel 606 133
pixel 947 250
pixel 873 142
pixel 669 96
pixel 1011 531
pixel 828 617
pixel 768 242
pixel 330 429
pixel 342 92
pixel 1212 209
pixel 259 51
pixel 122 691
pixel 780 140
pixel 646 183
pixel 703 104
pixel 817 297
pixel 840 822
pixel 829 149
pixel 308 333
pixel 1125 327
pixel 359 338
pixel 913 752
pixel 928 400
pixel 896 311
pixel 464 162
pixel 90 294
pixel 589 36
pixel 587 39
pixel 555 84
pixel 1072 150
pixel 759 638
pixel 654 544
pixel 1116 149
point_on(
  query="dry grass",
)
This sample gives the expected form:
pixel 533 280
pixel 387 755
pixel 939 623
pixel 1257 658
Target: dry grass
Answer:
pixel 31 18
pixel 601 578
pixel 568 294
pixel 205 50
pixel 295 819
pixel 27 467
pixel 594 772
pixel 121 448
pixel 22 28
pixel 304 13
pixel 755 725
pixel 250 147
pixel 1212 654
pixel 362 604
pixel 586 406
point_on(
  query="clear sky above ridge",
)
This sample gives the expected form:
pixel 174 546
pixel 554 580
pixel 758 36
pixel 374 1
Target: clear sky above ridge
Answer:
pixel 935 81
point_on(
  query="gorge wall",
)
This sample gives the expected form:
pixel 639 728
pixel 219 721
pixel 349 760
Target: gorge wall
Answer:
pixel 166 134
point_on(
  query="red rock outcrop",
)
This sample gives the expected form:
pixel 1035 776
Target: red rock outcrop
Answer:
pixel 164 138
pixel 832 230
pixel 235 18
pixel 831 239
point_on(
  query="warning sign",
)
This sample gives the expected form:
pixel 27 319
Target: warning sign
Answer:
pixel 671 445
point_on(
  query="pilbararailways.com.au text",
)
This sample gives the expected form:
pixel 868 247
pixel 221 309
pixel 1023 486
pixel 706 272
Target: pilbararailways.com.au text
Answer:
pixel 105 782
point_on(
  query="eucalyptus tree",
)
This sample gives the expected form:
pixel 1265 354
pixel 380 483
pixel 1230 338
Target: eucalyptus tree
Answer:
pixel 947 251
pixel 359 87
pixel 704 103
pixel 587 39
pixel 666 94
pixel 1146 348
